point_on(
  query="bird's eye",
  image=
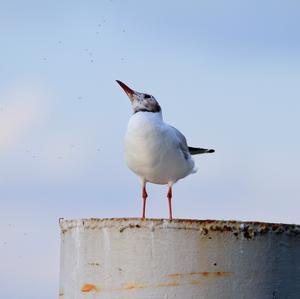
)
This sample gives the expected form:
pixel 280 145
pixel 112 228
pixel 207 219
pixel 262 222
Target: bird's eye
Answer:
pixel 147 96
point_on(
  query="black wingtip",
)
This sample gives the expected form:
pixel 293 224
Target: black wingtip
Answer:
pixel 199 150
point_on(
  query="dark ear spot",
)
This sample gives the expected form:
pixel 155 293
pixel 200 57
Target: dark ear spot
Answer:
pixel 147 96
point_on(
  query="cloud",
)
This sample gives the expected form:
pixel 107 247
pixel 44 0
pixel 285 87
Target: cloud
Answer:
pixel 68 154
pixel 36 143
pixel 20 108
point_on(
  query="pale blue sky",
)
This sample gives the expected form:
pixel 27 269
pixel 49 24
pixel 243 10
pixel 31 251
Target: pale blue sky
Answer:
pixel 226 73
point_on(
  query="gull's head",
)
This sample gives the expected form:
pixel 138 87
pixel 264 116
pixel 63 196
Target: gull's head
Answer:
pixel 140 101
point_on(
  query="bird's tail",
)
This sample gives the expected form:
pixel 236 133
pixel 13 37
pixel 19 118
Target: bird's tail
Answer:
pixel 198 150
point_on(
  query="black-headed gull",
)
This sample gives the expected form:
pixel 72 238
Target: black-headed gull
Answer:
pixel 157 152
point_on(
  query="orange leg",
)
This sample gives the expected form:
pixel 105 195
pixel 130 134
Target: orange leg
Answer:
pixel 170 201
pixel 144 195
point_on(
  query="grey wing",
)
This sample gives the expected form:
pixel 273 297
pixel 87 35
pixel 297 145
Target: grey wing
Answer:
pixel 188 150
pixel 182 143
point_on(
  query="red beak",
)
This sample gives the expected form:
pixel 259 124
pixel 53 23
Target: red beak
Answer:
pixel 128 90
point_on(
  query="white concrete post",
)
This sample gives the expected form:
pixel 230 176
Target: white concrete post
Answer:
pixel 184 259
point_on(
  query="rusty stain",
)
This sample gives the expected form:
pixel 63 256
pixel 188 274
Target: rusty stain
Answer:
pixel 133 285
pixel 176 277
pixel 224 273
pixel 194 282
pixel 88 287
pixel 204 274
pixel 126 287
pixel 247 234
pixel 195 278
pixel 168 284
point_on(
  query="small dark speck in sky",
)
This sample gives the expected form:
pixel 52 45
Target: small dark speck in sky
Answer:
pixel 80 99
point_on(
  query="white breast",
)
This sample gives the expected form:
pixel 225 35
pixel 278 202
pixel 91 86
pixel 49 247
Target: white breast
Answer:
pixel 152 150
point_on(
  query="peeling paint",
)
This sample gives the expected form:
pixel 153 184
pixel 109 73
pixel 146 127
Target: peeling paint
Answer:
pixel 94 264
pixel 129 226
pixel 246 230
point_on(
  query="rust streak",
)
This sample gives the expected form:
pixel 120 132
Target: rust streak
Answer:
pixel 168 284
pixel 133 285
pixel 195 282
pixel 224 273
pixel 205 274
pixel 175 275
pixel 89 288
